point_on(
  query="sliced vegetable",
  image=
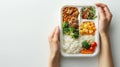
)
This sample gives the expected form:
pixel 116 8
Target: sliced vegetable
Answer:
pixel 86 51
pixel 88 13
pixel 88 48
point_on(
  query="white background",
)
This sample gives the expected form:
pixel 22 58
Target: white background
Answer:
pixel 25 25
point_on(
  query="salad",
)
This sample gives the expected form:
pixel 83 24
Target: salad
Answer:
pixel 88 13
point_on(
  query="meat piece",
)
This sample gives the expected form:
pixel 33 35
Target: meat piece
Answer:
pixel 73 22
pixel 69 11
pixel 75 25
pixel 75 14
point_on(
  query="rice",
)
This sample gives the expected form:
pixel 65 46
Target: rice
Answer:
pixel 70 45
pixel 89 38
pixel 73 46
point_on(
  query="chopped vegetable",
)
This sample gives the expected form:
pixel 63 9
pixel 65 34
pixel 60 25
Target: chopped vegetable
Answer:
pixel 85 45
pixel 70 30
pixel 86 51
pixel 88 48
pixel 66 31
pixel 65 24
pixel 88 13
pixel 87 28
pixel 74 33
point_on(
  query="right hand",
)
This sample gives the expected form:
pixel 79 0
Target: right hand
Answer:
pixel 105 17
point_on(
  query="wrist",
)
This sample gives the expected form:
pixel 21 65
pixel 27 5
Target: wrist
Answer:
pixel 104 33
pixel 55 57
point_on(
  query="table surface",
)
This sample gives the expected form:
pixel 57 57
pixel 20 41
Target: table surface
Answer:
pixel 25 25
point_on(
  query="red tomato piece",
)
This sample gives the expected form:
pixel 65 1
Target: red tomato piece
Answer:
pixel 84 16
pixel 94 44
pixel 84 12
pixel 92 48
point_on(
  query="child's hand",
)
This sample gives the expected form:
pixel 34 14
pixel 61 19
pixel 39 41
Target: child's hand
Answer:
pixel 54 42
pixel 105 18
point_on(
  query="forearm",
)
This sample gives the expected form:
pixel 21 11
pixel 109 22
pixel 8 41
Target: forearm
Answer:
pixel 54 61
pixel 105 57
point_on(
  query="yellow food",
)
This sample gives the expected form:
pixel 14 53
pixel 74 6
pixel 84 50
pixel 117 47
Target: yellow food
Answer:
pixel 87 28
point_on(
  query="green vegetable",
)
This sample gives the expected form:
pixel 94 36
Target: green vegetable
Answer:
pixel 66 31
pixel 74 33
pixel 89 13
pixel 70 30
pixel 65 25
pixel 85 45
pixel 92 12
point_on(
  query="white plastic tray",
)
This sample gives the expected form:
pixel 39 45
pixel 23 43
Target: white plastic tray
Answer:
pixel 81 20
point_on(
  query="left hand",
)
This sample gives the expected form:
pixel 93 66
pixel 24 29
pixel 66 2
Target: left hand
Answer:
pixel 54 41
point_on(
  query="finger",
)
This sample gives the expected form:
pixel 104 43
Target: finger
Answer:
pixel 52 33
pixel 101 13
pixel 106 10
pixel 108 13
pixel 101 5
pixel 57 33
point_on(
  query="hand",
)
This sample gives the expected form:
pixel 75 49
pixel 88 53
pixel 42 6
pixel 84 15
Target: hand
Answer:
pixel 105 18
pixel 54 41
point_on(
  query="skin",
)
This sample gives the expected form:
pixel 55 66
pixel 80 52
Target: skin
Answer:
pixel 105 56
pixel 54 41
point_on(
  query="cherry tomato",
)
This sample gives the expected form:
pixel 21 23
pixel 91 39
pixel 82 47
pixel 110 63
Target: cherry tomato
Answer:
pixel 92 48
pixel 84 16
pixel 84 12
pixel 94 44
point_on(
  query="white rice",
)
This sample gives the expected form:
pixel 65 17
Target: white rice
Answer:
pixel 89 38
pixel 73 46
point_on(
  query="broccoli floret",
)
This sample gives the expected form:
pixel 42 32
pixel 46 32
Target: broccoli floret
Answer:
pixel 65 25
pixel 72 29
pixel 74 33
pixel 85 45
pixel 66 31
